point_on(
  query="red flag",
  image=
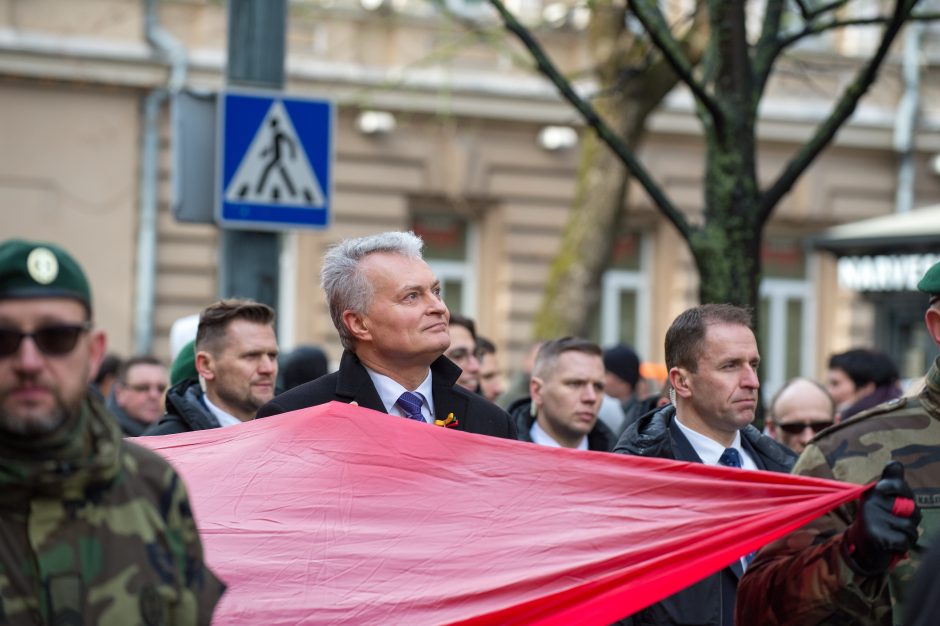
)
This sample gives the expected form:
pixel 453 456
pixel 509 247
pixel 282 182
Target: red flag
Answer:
pixel 341 515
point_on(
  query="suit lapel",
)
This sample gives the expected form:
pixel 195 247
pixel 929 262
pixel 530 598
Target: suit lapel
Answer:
pixel 353 384
pixel 752 452
pixel 444 375
pixel 446 402
pixel 682 449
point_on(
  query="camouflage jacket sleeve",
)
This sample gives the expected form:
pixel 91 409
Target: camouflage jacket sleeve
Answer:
pixel 201 589
pixel 804 578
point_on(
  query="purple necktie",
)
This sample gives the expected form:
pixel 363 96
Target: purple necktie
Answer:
pixel 410 405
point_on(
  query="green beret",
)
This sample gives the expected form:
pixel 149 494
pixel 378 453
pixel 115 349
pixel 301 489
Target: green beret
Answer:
pixel 35 269
pixel 930 283
pixel 184 365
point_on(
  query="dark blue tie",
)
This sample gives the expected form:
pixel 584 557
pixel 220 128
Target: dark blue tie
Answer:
pixel 730 457
pixel 410 405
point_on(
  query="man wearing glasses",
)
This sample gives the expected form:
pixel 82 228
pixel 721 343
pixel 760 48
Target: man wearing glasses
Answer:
pixel 93 529
pixel 138 394
pixel 798 411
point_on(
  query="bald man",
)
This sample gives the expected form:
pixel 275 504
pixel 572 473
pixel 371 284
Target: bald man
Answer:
pixel 798 411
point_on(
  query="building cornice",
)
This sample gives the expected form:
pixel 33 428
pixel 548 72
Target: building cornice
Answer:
pixel 434 90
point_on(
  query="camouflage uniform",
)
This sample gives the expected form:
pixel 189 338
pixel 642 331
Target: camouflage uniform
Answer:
pixel 804 578
pixel 95 530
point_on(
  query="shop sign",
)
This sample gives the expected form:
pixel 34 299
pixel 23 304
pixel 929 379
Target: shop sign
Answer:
pixel 885 272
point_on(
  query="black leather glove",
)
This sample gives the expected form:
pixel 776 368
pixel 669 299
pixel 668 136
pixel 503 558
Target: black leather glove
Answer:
pixel 886 525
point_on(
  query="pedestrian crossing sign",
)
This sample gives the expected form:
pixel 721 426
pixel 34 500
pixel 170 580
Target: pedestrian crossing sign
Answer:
pixel 276 156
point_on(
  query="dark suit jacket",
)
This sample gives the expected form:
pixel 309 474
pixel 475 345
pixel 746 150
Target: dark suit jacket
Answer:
pixel 351 382
pixel 709 602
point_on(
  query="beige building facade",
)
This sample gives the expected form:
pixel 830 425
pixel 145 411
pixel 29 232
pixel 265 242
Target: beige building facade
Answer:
pixel 462 165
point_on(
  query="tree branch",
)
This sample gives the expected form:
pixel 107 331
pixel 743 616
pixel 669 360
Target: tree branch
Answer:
pixel 764 49
pixel 804 10
pixel 658 30
pixel 841 112
pixel 816 29
pixel 826 8
pixel 593 120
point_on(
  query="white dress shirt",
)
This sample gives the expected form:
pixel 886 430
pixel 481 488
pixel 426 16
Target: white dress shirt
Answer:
pixel 542 438
pixel 224 418
pixel 389 391
pixel 710 450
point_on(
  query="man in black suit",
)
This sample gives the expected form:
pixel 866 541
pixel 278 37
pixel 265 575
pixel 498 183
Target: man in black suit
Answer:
pixel 712 356
pixel 386 305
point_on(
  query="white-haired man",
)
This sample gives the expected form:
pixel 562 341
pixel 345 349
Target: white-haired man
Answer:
pixel 386 305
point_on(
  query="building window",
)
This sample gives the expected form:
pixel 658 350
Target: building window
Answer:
pixel 448 244
pixel 623 316
pixel 786 335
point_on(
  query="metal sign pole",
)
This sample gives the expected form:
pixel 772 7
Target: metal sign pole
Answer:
pixel 249 265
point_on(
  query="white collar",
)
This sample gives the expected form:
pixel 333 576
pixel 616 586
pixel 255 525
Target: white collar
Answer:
pixel 389 391
pixel 225 419
pixel 542 438
pixel 710 450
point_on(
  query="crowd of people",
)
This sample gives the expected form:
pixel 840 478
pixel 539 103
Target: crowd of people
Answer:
pixel 71 480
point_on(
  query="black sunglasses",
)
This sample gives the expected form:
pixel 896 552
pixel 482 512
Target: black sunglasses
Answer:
pixel 795 428
pixel 51 340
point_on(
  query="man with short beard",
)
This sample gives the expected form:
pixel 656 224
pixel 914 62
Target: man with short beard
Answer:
pixel 236 357
pixel 93 529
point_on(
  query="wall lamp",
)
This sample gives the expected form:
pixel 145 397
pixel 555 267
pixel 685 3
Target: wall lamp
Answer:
pixel 375 122
pixel 557 138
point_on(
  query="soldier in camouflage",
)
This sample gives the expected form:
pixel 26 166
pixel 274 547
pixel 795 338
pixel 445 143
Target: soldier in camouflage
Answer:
pixel 854 565
pixel 93 530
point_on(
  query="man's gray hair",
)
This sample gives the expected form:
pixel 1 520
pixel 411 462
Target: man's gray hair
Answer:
pixel 346 287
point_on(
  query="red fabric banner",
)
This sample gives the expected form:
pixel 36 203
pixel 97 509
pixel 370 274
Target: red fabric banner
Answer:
pixel 342 515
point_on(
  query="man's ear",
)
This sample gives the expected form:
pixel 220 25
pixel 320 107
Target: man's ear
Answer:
pixel 205 365
pixel 771 428
pixel 865 390
pixel 120 393
pixel 535 390
pixel 357 325
pixel 98 343
pixel 932 318
pixel 679 379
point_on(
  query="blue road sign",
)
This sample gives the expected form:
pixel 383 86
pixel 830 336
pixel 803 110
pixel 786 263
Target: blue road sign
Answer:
pixel 276 155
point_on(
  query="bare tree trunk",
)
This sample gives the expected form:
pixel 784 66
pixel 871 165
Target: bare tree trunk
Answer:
pixel 633 82
pixel 573 289
pixel 727 249
pixel 727 77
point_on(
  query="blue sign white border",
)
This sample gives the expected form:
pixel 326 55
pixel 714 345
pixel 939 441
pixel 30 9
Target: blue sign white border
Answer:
pixel 218 183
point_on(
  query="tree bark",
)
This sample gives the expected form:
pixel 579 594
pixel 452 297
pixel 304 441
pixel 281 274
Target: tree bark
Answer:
pixel 633 83
pixel 727 89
